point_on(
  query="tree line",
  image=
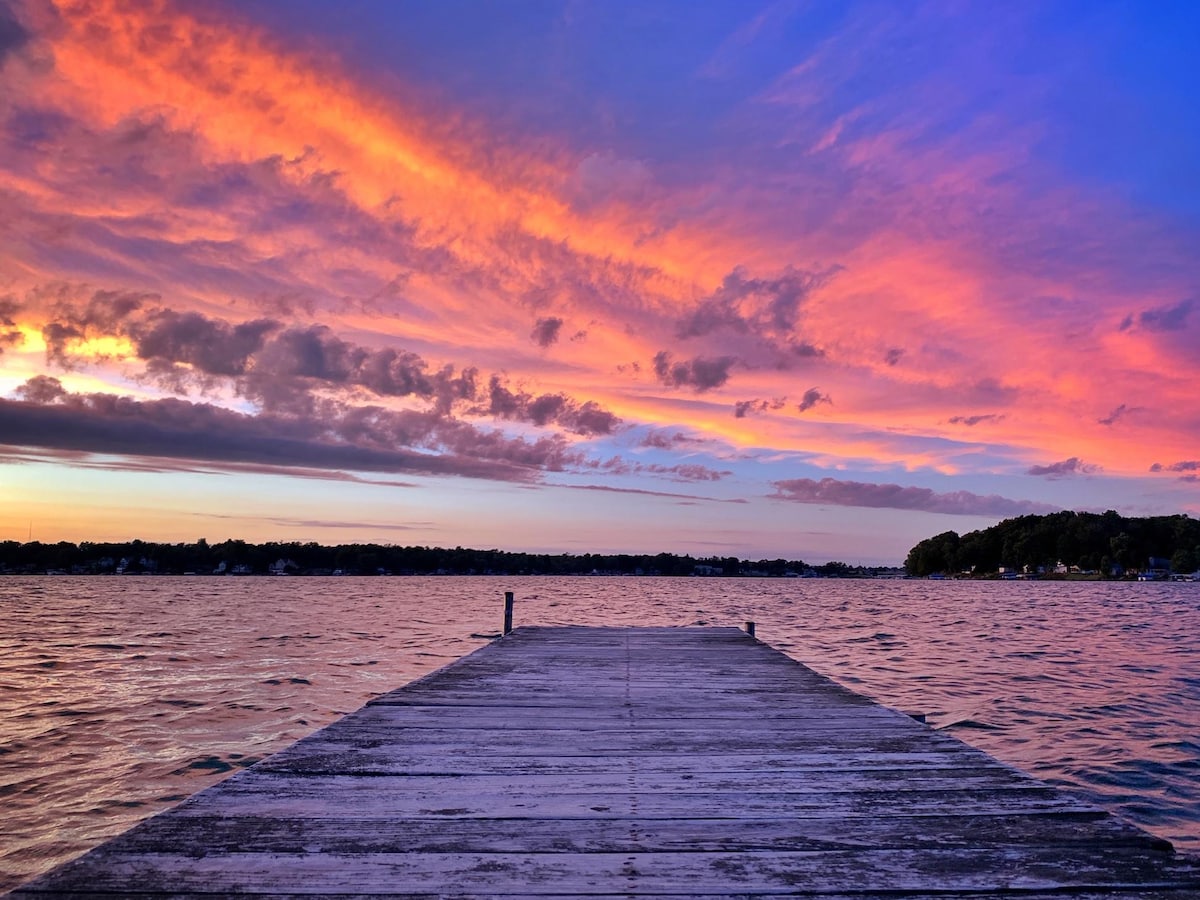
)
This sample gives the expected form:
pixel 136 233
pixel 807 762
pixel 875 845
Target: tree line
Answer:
pixel 1107 543
pixel 298 558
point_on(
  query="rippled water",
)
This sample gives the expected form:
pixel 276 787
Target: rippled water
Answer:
pixel 121 696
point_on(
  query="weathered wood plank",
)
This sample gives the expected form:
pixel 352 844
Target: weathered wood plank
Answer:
pixel 706 891
pixel 309 801
pixel 530 874
pixel 814 780
pixel 349 758
pixel 567 762
pixel 224 833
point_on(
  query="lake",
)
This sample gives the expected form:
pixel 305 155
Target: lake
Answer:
pixel 121 696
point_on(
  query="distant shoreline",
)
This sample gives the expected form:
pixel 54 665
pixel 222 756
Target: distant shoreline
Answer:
pixel 239 558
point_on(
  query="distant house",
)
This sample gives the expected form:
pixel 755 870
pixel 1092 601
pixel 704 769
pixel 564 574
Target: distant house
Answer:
pixel 282 567
pixel 1157 569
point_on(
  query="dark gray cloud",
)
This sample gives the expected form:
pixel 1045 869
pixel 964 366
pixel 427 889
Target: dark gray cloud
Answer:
pixel 8 325
pixel 587 419
pixel 1063 468
pixel 549 453
pixel 104 313
pixel 358 438
pixel 893 356
pixel 663 440
pixel 312 352
pixel 1187 465
pixel 743 408
pixel 182 430
pixel 744 304
pixel 13 35
pixel 212 346
pixel 811 398
pixel 976 420
pixel 161 464
pixel 590 418
pixel 284 369
pixel 1162 318
pixel 806 350
pixel 832 492
pixel 545 332
pixel 700 373
pixel 41 389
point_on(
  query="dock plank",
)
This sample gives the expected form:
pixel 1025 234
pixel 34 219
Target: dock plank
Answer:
pixel 667 762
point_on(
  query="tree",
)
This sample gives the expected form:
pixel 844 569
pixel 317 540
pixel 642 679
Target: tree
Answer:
pixel 1185 561
pixel 933 555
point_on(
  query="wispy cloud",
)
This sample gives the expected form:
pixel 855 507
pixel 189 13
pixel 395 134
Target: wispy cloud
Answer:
pixel 1119 413
pixel 971 421
pixel 1163 318
pixel 832 492
pixel 610 489
pixel 767 307
pixel 1064 468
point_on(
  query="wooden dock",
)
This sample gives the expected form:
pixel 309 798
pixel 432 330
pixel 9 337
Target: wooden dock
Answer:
pixel 628 762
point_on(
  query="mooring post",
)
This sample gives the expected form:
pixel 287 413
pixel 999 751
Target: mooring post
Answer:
pixel 508 605
pixel 750 628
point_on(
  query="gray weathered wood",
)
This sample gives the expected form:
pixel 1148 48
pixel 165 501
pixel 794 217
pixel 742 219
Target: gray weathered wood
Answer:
pixel 673 762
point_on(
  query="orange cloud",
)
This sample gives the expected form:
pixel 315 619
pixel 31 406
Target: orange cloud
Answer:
pixel 426 237
pixel 247 99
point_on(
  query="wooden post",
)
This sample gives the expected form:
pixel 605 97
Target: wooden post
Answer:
pixel 508 607
pixel 750 629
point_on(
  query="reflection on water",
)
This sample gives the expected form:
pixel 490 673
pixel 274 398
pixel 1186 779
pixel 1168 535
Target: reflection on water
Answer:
pixel 121 696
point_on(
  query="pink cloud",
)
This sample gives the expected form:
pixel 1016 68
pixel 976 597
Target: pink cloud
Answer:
pixel 832 492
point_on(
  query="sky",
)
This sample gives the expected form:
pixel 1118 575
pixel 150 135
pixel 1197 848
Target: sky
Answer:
pixel 809 280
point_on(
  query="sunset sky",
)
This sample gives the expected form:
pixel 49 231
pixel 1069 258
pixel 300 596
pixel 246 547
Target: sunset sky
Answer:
pixel 802 279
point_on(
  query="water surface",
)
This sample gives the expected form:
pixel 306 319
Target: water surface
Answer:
pixel 121 696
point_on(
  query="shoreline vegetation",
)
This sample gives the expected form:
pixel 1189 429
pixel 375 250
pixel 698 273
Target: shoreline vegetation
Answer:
pixel 236 557
pixel 1059 546
pixel 1067 545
